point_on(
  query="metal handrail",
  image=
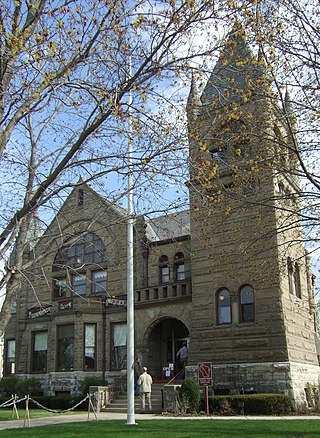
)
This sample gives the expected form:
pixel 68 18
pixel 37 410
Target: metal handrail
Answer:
pixel 180 373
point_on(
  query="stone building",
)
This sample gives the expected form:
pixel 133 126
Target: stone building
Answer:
pixel 229 276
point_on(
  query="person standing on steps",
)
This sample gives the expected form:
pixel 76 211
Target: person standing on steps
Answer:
pixel 145 381
pixel 182 357
pixel 137 372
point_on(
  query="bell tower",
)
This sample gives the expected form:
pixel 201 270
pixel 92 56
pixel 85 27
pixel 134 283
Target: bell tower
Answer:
pixel 253 308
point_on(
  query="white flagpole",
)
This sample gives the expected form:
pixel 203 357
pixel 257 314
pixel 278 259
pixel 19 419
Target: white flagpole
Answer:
pixel 130 289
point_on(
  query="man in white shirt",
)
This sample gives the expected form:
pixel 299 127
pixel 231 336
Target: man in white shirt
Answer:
pixel 145 382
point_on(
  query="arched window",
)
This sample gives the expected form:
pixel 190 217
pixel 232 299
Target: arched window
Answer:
pixel 297 280
pixel 246 302
pixel 290 275
pixel 164 273
pixel 79 251
pixel 223 305
pixel 79 261
pixel 179 267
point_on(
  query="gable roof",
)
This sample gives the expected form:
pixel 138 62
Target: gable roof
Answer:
pixel 168 227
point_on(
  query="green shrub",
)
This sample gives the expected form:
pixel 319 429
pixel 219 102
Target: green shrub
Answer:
pixel 8 386
pixel 189 396
pixel 90 381
pixel 263 404
pixel 30 387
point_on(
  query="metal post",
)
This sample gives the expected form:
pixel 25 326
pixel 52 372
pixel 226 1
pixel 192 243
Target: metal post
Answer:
pixel 130 289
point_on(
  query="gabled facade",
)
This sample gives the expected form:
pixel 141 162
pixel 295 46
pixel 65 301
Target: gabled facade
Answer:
pixel 229 276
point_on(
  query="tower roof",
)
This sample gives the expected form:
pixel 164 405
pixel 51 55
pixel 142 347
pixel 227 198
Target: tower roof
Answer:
pixel 236 74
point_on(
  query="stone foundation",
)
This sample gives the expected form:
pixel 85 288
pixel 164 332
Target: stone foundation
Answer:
pixel 55 383
pixel 280 378
pixel 170 398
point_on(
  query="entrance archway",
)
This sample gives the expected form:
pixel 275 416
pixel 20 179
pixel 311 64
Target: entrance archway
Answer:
pixel 162 341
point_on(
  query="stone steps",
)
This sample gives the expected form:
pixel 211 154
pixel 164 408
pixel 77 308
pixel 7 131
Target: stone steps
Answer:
pixel 119 405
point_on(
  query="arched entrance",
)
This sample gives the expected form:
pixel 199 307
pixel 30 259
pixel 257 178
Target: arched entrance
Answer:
pixel 162 341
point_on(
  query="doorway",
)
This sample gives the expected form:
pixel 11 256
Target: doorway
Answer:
pixel 165 339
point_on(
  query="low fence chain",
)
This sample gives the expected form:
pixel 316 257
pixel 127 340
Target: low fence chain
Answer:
pixel 56 411
pixel 12 402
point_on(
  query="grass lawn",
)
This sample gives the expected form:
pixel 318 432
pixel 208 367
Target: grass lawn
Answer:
pixel 7 414
pixel 174 428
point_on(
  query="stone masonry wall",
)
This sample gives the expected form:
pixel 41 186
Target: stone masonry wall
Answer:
pixel 277 377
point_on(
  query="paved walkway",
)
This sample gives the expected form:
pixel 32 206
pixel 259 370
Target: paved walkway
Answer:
pixel 76 418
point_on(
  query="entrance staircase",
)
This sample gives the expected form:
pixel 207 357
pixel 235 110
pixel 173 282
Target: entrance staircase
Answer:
pixel 119 404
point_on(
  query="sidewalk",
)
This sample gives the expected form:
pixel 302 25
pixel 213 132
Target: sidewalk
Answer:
pixel 102 416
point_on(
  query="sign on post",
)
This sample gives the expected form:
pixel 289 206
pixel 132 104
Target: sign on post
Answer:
pixel 204 374
pixel 205 379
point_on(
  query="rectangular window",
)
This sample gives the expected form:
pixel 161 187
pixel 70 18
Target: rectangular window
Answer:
pixel 98 282
pixel 164 274
pixel 119 346
pixel 180 272
pixel 10 363
pixel 39 352
pixel 65 353
pixel 78 284
pixel 89 347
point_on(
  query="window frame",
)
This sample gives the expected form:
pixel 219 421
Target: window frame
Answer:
pixel 179 261
pixel 219 307
pixel 164 270
pixel 290 276
pixel 57 290
pixel 94 346
pixel 59 338
pixel 95 283
pixel 118 358
pixel 81 288
pixel 34 358
pixel 243 306
pixel 10 367
pixel 297 280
